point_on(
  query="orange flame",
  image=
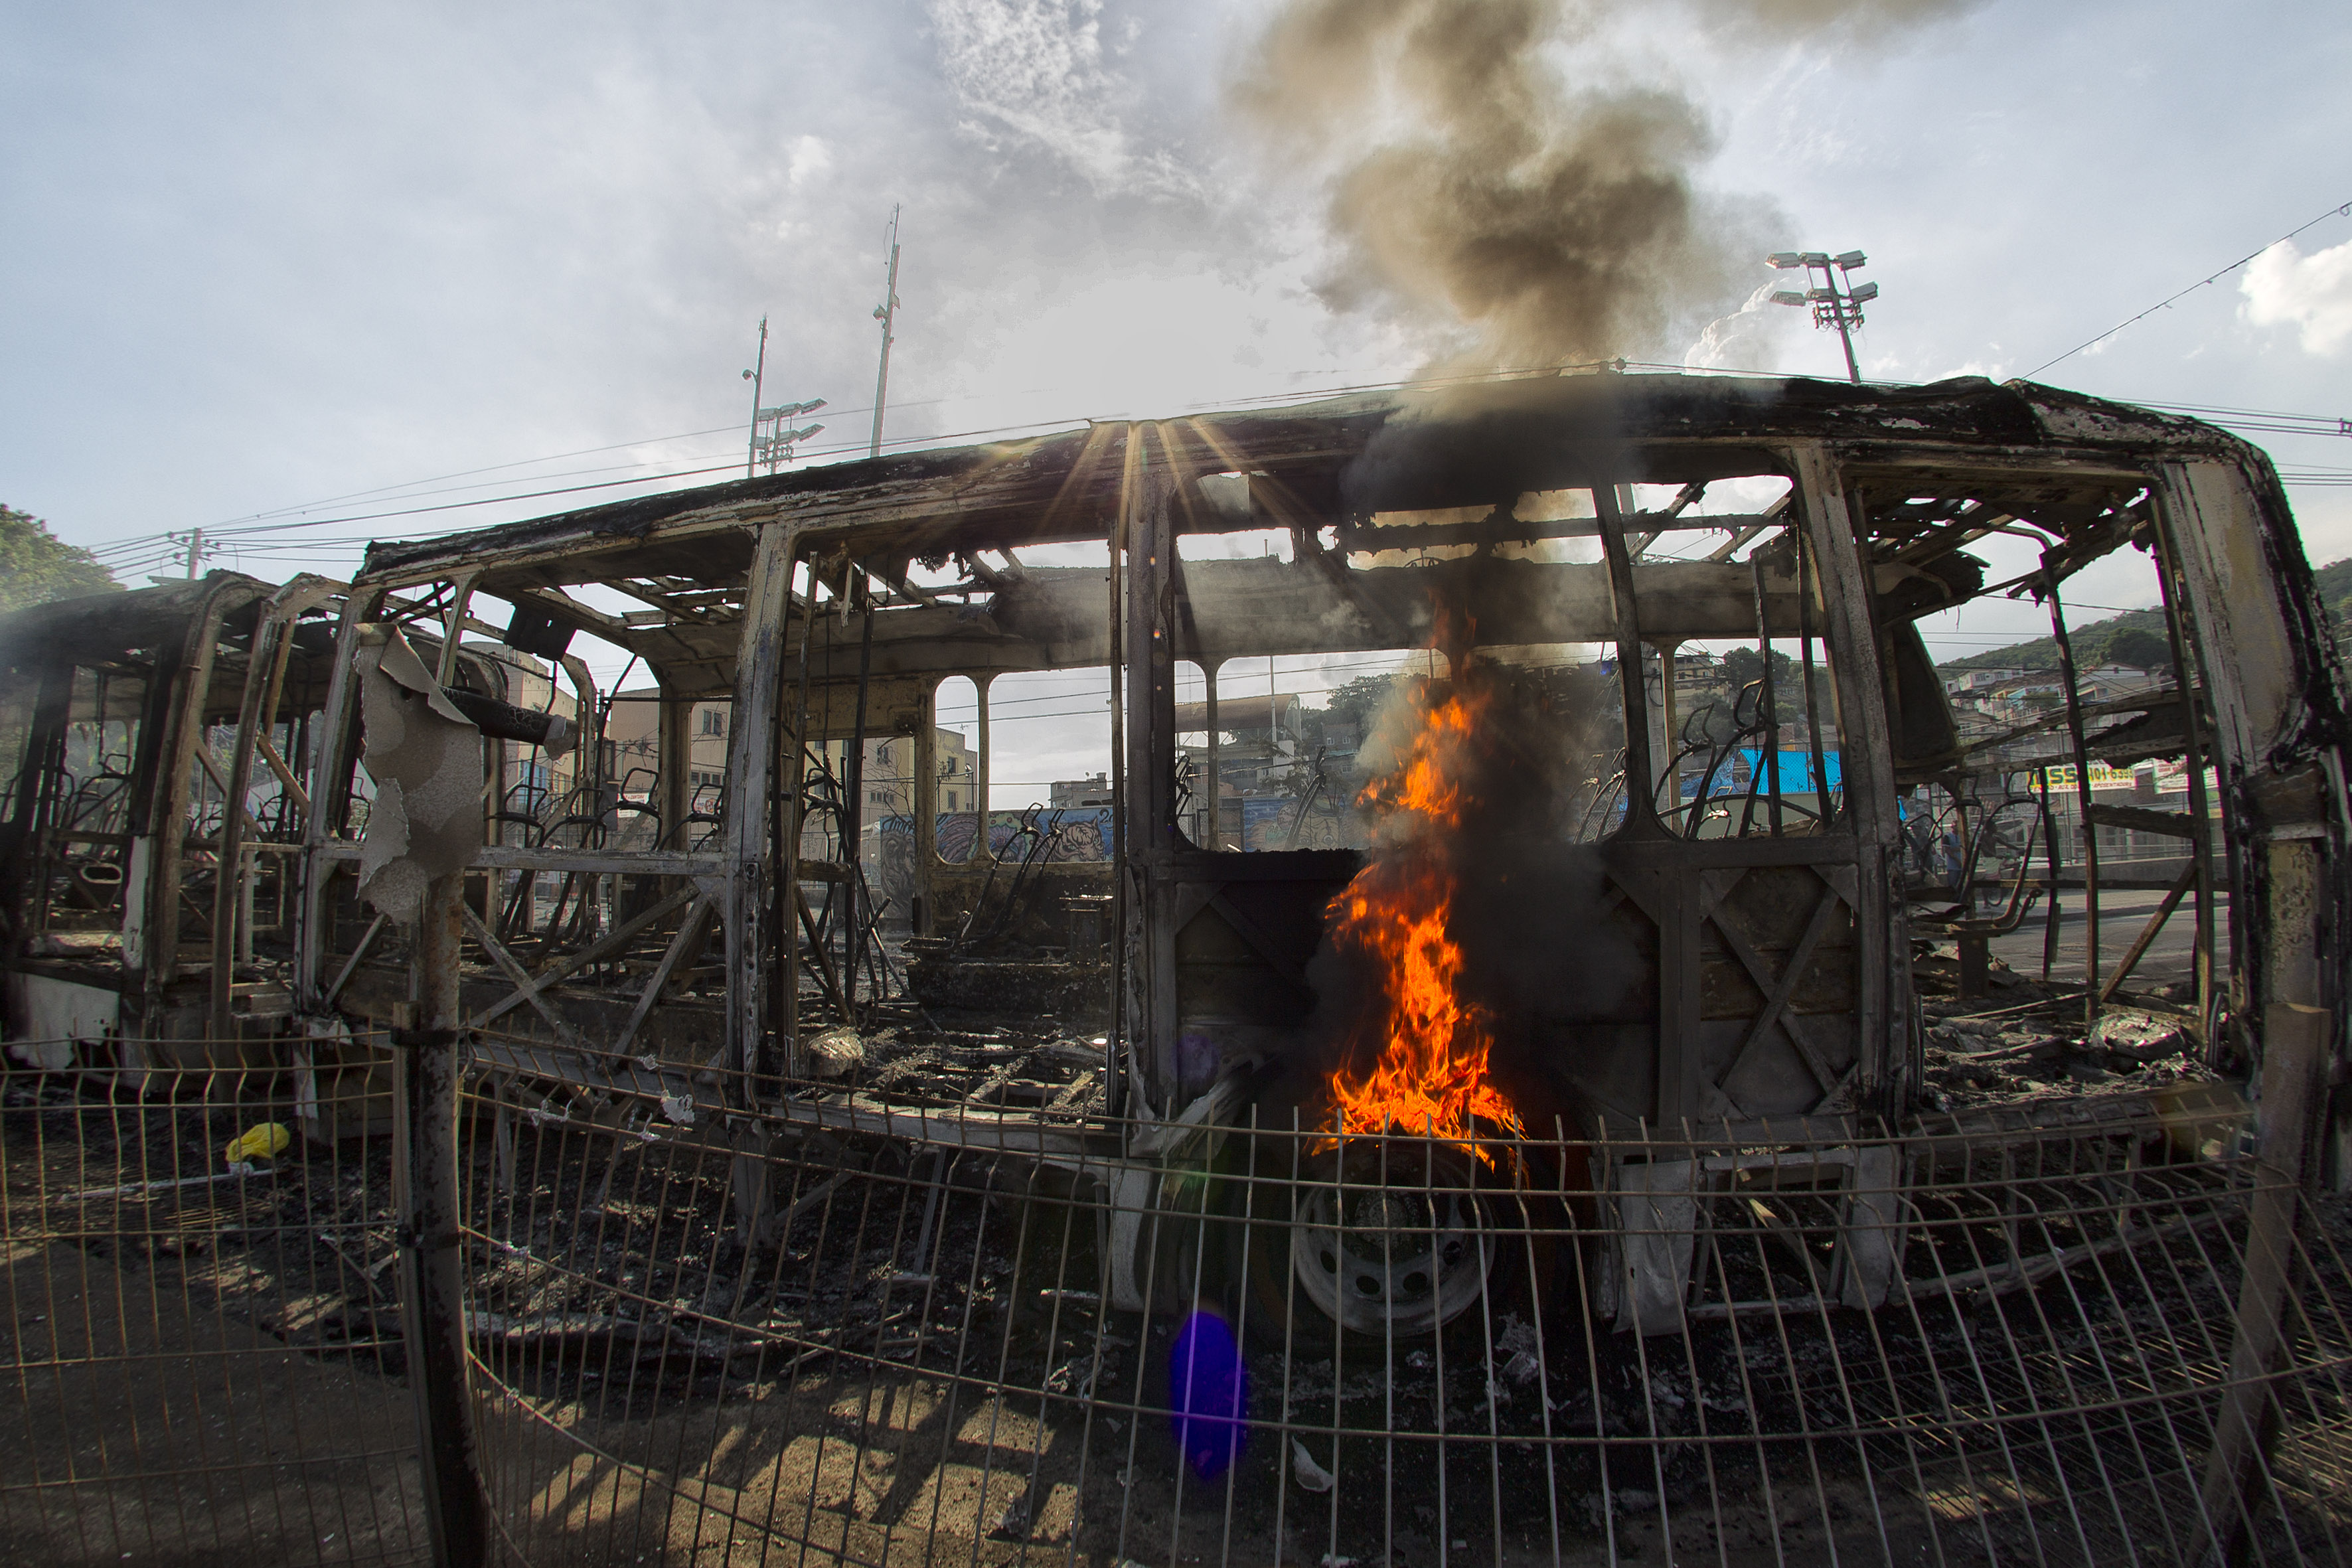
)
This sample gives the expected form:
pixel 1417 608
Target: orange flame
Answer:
pixel 1430 1073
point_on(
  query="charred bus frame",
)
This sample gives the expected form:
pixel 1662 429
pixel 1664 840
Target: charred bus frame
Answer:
pixel 137 899
pixel 1775 938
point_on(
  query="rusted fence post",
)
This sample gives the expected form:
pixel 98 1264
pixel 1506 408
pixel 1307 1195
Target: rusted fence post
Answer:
pixel 426 1073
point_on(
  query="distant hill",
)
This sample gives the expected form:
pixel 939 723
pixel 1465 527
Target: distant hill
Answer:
pixel 2135 637
pixel 2335 587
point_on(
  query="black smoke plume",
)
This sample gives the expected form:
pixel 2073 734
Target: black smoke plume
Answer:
pixel 1474 185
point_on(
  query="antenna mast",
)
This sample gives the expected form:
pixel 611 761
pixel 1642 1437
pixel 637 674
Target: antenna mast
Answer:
pixel 886 313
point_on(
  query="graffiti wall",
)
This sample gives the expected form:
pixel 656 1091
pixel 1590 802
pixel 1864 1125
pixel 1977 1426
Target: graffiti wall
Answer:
pixel 1268 821
pixel 1078 833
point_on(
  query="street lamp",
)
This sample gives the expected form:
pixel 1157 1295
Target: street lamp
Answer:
pixel 1833 306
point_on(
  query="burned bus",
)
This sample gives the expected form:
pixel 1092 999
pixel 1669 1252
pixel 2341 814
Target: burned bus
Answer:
pixel 1563 894
pixel 144 913
pixel 149 925
pixel 891 958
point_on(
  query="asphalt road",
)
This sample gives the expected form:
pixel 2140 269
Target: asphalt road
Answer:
pixel 2121 916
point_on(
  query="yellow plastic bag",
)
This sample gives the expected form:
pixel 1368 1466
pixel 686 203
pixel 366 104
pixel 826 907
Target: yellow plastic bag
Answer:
pixel 266 1141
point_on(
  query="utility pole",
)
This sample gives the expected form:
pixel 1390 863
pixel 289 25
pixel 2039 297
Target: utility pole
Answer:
pixel 195 548
pixel 1833 309
pixel 887 312
pixel 756 375
pixel 776 443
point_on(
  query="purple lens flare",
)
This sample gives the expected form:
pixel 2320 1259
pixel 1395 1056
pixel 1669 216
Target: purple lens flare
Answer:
pixel 1208 1393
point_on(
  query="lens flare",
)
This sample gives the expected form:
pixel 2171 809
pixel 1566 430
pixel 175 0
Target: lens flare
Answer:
pixel 1208 1393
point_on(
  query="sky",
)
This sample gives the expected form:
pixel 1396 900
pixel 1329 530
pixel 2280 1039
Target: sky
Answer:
pixel 325 266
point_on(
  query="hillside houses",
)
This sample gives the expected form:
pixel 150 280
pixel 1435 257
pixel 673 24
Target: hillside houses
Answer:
pixel 2010 697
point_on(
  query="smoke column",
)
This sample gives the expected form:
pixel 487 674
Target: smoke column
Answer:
pixel 1475 187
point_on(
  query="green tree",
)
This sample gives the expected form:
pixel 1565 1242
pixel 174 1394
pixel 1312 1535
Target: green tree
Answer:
pixel 1743 667
pixel 37 566
pixel 2140 648
pixel 1359 701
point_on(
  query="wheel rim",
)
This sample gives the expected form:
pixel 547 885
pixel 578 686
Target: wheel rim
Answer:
pixel 1403 1260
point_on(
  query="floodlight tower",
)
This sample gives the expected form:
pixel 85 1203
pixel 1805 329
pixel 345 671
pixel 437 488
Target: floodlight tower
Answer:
pixel 771 436
pixel 1833 306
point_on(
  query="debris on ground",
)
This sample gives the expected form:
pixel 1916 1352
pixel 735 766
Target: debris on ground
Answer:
pixel 1310 1475
pixel 2030 1041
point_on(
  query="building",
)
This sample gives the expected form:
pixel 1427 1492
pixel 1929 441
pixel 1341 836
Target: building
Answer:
pixel 2029 694
pixel 632 731
pixel 1972 680
pixel 2106 682
pixel 1699 675
pixel 1273 724
pixel 1077 792
pixel 887 775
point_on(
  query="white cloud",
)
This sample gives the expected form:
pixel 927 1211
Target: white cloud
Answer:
pixel 2284 287
pixel 810 159
pixel 1034 68
pixel 1149 343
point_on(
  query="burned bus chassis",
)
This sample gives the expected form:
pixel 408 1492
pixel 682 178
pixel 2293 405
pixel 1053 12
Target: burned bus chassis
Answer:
pixel 1775 1000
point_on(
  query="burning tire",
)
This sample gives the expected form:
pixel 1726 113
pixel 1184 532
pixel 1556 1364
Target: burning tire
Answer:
pixel 1383 1239
pixel 1390 1259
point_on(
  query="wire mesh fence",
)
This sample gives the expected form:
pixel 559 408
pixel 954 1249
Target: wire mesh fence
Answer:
pixel 205 1340
pixel 866 1328
pixel 1974 1343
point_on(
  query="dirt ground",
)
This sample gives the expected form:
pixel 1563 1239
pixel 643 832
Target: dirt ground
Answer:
pixel 164 1418
pixel 153 1431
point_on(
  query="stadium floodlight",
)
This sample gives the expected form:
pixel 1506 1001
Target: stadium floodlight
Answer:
pixel 769 438
pixel 1836 299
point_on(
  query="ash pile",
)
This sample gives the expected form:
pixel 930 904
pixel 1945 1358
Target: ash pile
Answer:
pixel 972 1059
pixel 2030 1041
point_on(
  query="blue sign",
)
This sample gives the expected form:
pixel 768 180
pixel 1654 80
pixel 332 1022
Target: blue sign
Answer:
pixel 1796 770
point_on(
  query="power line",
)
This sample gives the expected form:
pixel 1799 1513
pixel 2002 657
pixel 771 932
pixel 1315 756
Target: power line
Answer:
pixel 249 525
pixel 468 473
pixel 2260 418
pixel 231 525
pixel 240 526
pixel 998 430
pixel 485 501
pixel 2266 420
pixel 2345 210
